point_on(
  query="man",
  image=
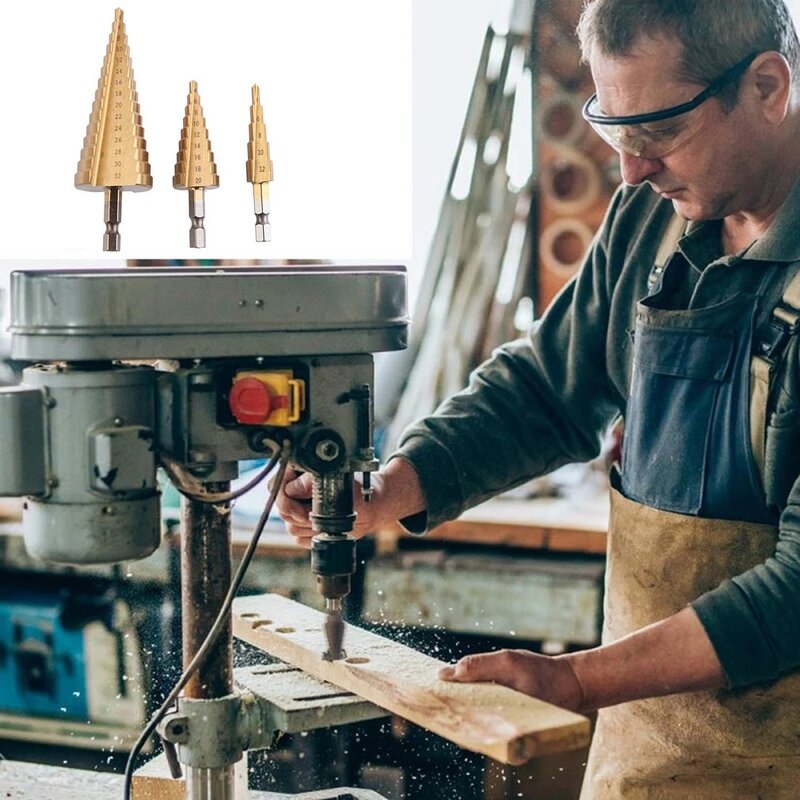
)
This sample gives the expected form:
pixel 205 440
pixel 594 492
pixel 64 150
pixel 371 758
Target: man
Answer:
pixel 697 677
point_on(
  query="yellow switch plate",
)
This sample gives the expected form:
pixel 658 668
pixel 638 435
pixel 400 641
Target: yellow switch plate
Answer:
pixel 281 383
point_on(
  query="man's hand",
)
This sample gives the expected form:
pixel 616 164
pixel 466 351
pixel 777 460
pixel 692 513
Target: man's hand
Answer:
pixel 396 493
pixel 550 679
pixel 669 656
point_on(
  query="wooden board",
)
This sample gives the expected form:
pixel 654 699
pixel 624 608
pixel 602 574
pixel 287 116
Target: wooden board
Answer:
pixel 567 524
pixel 486 718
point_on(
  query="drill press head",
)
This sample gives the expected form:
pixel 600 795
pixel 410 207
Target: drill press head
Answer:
pixel 239 369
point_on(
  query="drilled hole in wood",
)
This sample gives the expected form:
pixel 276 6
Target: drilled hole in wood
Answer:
pixel 284 630
pixel 260 623
pixel 357 660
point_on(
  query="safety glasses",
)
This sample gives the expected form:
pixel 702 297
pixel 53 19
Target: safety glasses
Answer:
pixel 658 133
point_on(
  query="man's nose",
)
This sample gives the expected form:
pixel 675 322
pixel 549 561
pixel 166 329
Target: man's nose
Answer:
pixel 637 170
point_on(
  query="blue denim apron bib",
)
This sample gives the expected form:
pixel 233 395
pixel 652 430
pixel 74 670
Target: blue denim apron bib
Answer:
pixel 687 430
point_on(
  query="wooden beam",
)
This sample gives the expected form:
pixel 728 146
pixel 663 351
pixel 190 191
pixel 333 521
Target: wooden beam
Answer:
pixel 508 726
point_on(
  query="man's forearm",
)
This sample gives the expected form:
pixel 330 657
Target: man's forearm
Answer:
pixel 673 655
pixel 402 490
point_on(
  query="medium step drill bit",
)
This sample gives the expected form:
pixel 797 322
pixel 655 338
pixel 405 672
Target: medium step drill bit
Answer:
pixel 195 169
pixel 259 167
pixel 114 155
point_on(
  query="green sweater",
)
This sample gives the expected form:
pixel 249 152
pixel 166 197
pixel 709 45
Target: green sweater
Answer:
pixel 549 399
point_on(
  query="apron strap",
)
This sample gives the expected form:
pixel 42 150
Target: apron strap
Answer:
pixel 669 242
pixel 785 322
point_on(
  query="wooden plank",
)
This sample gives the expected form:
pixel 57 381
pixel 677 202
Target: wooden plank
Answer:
pixel 561 524
pixel 571 512
pixel 529 537
pixel 577 541
pixel 486 718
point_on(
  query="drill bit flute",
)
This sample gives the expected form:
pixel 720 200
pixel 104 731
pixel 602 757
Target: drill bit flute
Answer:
pixel 114 155
pixel 195 169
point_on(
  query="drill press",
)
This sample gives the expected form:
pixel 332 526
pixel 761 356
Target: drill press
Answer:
pixel 195 370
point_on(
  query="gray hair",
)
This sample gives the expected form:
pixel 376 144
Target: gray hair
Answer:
pixel 715 34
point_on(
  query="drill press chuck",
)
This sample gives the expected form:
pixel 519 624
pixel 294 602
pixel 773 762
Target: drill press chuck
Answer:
pixel 333 561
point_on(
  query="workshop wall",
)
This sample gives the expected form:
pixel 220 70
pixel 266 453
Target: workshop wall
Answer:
pixel 577 174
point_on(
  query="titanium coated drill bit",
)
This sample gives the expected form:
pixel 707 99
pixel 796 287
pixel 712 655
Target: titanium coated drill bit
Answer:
pixel 114 155
pixel 195 169
pixel 259 167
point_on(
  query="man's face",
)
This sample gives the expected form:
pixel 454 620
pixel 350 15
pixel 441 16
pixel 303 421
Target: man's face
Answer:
pixel 710 174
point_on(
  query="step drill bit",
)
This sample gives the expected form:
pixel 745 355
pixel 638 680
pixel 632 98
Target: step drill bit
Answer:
pixel 259 167
pixel 195 169
pixel 114 155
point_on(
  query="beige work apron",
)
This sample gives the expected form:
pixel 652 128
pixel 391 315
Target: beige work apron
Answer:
pixel 694 746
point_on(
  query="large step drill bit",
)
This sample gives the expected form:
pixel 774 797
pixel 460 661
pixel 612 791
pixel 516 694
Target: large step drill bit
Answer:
pixel 114 155
pixel 195 169
pixel 259 167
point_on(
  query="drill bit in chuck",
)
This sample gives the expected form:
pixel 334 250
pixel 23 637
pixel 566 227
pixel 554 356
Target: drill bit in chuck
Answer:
pixel 334 630
pixel 114 155
pixel 195 169
pixel 259 167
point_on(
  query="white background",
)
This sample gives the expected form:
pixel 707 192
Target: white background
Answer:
pixel 335 80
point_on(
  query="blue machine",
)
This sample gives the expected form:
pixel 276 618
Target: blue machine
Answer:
pixel 42 649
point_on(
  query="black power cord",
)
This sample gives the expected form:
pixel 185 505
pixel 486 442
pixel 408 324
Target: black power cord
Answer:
pixel 191 489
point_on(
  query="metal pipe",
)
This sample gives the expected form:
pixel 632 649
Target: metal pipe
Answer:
pixel 205 578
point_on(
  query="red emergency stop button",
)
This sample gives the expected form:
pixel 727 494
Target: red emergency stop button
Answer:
pixel 250 401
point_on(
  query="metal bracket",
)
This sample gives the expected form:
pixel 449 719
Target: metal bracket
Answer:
pixel 291 701
pixel 273 699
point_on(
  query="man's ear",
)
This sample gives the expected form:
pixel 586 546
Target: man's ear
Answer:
pixel 772 79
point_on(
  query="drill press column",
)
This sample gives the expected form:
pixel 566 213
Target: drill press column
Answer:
pixel 205 578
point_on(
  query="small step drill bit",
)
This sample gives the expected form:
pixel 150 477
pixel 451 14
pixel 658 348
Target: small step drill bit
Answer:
pixel 195 169
pixel 114 155
pixel 259 167
pixel 334 630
